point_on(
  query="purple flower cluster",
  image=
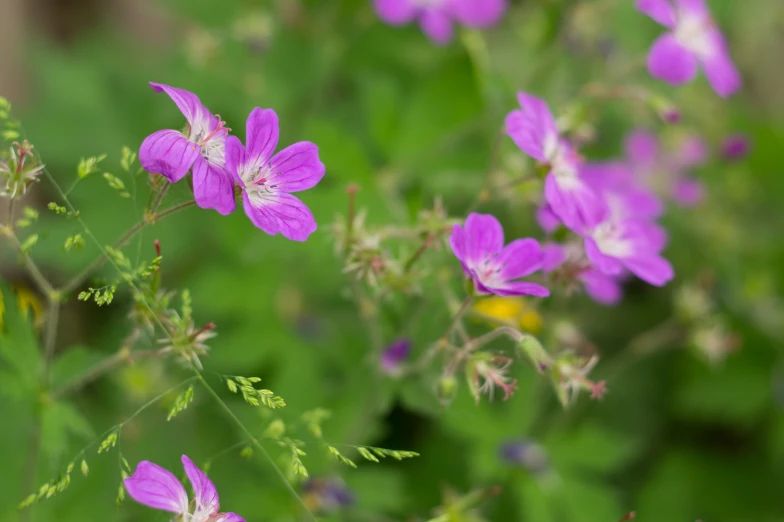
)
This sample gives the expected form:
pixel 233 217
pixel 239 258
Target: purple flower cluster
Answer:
pixel 611 206
pixel 158 488
pixel 221 164
pixel 437 17
pixel 693 40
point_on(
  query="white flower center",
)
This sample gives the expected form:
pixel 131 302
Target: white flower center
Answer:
pixel 608 238
pixel 212 143
pixel 561 161
pixel 259 184
pixel 693 32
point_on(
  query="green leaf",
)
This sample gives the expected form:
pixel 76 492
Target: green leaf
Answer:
pixel 591 447
pixel 61 422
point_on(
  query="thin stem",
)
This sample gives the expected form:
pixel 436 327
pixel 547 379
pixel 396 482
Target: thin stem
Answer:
pixel 351 214
pixel 50 335
pixel 173 209
pixel 416 255
pixel 253 440
pixel 458 316
pixel 79 278
pixel 43 284
pixel 105 366
pixel 159 198
pixel 95 265
pixel 10 220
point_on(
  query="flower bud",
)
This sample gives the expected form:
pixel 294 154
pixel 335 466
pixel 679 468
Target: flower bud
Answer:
pixel 446 389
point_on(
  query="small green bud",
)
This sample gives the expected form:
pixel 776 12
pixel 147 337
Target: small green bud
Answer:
pixel 446 389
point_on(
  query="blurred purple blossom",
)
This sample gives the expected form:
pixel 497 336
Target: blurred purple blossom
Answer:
pixel 694 38
pixel 493 267
pixel 666 173
pixel 533 129
pixel 524 453
pixel 394 356
pixel 327 494
pixel 735 147
pixel 436 17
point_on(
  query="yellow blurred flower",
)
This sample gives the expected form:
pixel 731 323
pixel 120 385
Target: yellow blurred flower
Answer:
pixel 26 301
pixel 511 311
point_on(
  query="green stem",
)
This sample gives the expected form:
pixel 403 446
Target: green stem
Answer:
pixel 77 280
pixel 253 440
pixel 159 198
pixel 416 255
pixel 10 220
pixel 43 284
pixel 458 316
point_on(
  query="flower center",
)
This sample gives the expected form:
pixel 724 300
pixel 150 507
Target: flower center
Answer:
pixel 259 184
pixel 212 142
pixel 693 32
pixel 562 159
pixel 608 237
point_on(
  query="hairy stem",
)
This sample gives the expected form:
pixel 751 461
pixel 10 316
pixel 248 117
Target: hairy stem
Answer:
pixel 10 219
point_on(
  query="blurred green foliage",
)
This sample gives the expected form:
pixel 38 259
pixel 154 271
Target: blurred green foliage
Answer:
pixel 675 438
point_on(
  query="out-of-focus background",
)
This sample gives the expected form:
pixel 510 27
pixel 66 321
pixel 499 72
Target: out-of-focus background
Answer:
pixel 692 430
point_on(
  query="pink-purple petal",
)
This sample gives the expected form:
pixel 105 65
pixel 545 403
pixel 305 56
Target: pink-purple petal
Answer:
pixel 652 269
pixel 436 24
pixel 261 135
pixel 642 148
pixel 520 258
pixel 532 126
pixel 168 153
pixel 285 215
pixel 660 10
pixel 668 60
pixel 297 167
pixel 479 13
pixel 484 236
pixel 396 12
pixel 606 264
pixel 517 288
pixel 229 517
pixel 213 187
pixel 574 203
pixel 692 7
pixel 189 104
pixel 204 490
pixel 693 152
pixel 601 288
pixel 553 256
pixel 720 70
pixel 688 192
pixel 235 158
pixel 157 488
pixel 457 240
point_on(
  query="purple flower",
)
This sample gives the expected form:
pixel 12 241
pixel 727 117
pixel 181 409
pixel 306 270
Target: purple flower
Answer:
pixel 624 195
pixel 436 17
pixel 693 39
pixel 533 129
pixel 735 147
pixel 327 494
pixel 525 453
pixel 394 356
pixel 158 488
pixel 492 266
pixel 201 146
pixel 663 173
pixel 634 245
pixel 267 181
pixel 571 259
